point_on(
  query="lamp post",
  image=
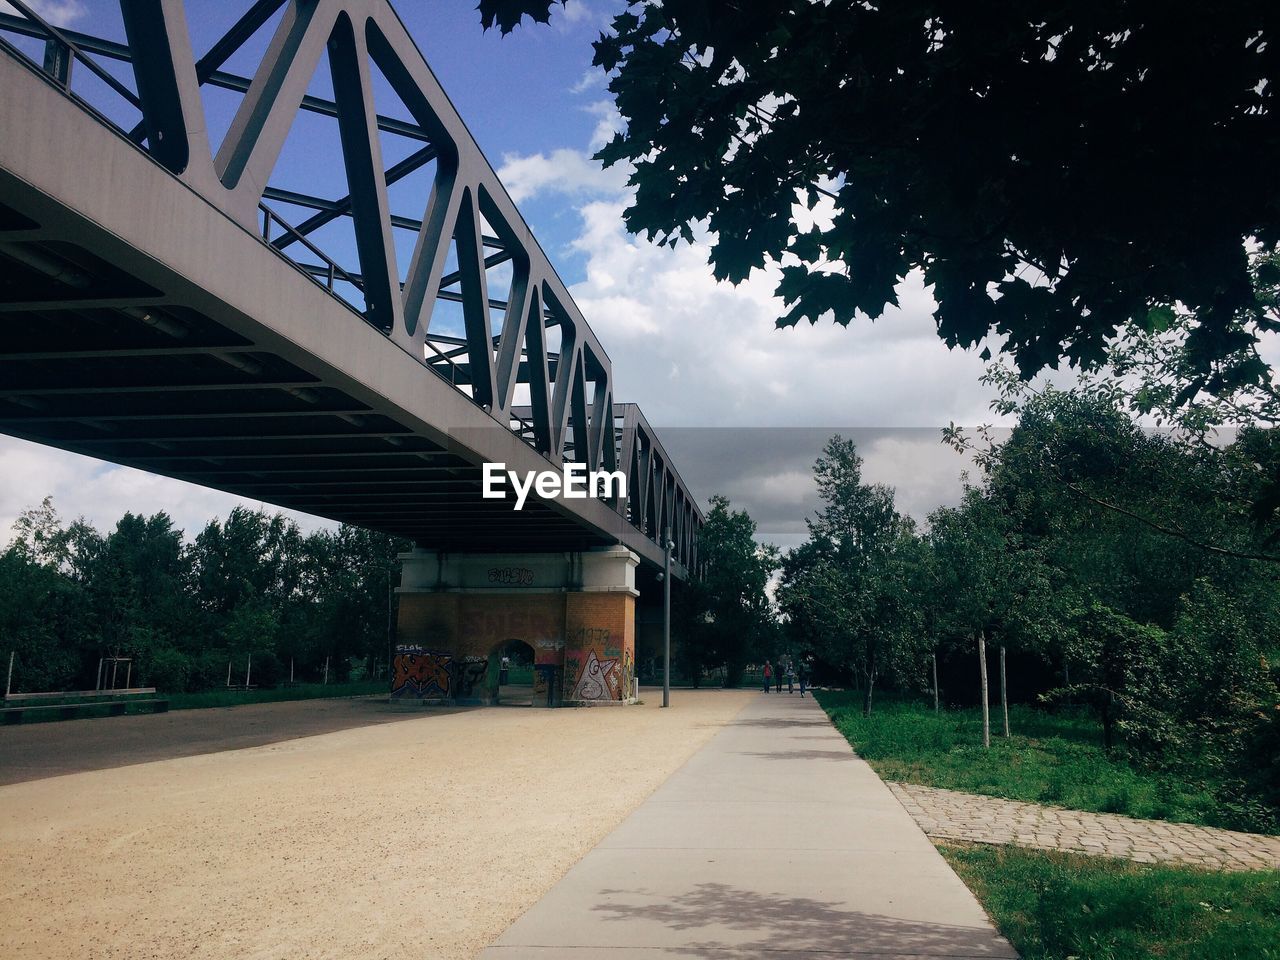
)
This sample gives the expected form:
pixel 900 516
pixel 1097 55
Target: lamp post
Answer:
pixel 667 544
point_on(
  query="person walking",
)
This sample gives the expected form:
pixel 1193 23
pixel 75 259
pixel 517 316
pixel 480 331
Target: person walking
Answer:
pixel 768 675
pixel 791 678
pixel 804 676
pixel 777 676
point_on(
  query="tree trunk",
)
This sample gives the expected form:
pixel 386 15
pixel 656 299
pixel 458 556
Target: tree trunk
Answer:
pixel 1004 694
pixel 1107 722
pixel 935 682
pixel 869 673
pixel 986 706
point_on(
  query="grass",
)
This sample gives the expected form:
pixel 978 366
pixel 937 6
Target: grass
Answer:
pixel 1054 758
pixel 1062 906
pixel 303 691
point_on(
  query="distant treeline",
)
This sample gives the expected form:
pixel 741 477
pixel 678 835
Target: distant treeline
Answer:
pixel 252 585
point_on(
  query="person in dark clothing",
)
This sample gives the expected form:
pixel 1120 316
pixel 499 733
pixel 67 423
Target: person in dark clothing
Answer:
pixel 768 675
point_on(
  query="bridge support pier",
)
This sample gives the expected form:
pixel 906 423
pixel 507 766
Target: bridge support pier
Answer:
pixel 460 612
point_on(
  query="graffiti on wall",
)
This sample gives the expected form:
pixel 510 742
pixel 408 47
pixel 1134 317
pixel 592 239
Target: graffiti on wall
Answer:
pixel 469 674
pixel 420 674
pixel 548 652
pixel 598 679
pixel 585 637
pixel 511 576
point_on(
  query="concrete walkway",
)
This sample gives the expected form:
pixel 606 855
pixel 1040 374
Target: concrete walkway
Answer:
pixel 952 815
pixel 773 840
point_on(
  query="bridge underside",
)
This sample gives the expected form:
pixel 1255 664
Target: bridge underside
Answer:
pixel 108 360
pixel 151 316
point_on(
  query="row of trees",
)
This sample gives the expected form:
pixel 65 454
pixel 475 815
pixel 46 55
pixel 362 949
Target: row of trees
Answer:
pixel 1110 567
pixel 252 585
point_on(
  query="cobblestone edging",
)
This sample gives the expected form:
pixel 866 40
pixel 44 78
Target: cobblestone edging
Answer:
pixel 951 815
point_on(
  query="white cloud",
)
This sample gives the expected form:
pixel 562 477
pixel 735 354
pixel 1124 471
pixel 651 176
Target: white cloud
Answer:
pixel 589 81
pixel 102 492
pixel 718 345
pixel 568 172
pixel 579 14
pixel 60 13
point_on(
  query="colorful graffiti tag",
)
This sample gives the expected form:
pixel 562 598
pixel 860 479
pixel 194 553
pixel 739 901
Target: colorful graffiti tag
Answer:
pixel 420 674
pixel 598 679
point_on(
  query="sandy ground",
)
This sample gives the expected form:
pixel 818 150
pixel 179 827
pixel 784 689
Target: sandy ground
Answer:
pixel 33 751
pixel 425 837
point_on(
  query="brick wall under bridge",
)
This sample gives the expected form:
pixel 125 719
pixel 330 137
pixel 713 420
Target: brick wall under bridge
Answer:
pixel 577 611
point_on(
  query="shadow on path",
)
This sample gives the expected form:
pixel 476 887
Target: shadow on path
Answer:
pixel 76 746
pixel 775 723
pixel 841 756
pixel 792 925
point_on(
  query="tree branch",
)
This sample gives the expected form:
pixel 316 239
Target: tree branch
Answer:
pixel 1172 531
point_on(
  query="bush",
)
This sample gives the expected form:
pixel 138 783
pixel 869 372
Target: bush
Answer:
pixel 167 669
pixel 208 670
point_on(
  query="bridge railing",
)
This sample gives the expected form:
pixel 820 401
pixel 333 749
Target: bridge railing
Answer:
pixel 529 358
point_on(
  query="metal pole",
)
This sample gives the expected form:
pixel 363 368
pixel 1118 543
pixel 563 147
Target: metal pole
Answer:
pixel 248 666
pixel 391 624
pixel 8 685
pixel 666 617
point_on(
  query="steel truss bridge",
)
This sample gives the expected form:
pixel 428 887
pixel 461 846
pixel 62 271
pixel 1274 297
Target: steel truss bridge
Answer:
pixel 173 308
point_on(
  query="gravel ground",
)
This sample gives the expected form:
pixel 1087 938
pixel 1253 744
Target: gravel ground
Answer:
pixel 425 837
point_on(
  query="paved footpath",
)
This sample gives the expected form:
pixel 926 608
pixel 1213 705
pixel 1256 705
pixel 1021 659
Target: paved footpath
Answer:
pixel 773 840
pixel 951 815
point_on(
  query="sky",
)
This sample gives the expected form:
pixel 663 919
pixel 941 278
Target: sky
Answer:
pixel 703 359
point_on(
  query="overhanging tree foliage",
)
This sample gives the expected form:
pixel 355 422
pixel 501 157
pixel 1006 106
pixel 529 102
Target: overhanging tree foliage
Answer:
pixel 1056 171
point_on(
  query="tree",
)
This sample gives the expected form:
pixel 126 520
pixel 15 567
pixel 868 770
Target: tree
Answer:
pixel 1056 173
pixel 134 579
pixel 992 584
pixel 851 581
pixel 727 613
pixel 34 601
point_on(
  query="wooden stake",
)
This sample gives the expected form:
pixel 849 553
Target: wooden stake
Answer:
pixel 1004 694
pixel 935 682
pixel 986 705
